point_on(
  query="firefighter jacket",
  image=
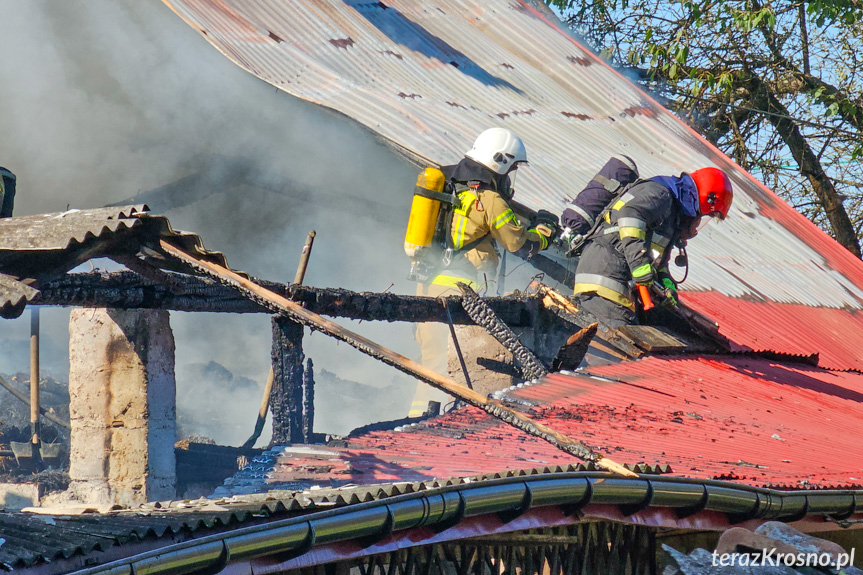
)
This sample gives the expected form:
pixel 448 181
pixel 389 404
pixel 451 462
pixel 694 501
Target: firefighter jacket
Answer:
pixel 637 232
pixel 482 217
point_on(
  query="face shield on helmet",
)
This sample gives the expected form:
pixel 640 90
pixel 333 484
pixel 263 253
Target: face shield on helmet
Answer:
pixel 499 150
pixel 511 175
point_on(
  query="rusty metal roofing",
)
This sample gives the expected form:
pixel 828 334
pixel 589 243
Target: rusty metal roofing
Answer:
pixel 746 419
pixel 35 249
pixel 428 76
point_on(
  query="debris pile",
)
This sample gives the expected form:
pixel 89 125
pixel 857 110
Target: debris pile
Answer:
pixel 774 548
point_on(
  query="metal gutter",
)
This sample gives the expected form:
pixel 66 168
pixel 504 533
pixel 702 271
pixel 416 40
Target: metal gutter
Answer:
pixel 446 507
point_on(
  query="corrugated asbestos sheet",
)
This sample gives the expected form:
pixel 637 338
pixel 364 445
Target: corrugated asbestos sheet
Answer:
pixel 30 538
pixel 39 247
pixel 60 231
pixel 429 76
pixel 739 418
pixel 50 535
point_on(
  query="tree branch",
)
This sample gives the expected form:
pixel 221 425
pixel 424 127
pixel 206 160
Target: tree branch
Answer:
pixel 809 165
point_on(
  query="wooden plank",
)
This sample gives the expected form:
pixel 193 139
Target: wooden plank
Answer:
pixel 657 339
pixel 441 382
pixel 611 342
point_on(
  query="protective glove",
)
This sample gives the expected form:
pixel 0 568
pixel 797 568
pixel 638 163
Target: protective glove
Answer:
pixel 546 217
pixel 671 297
pixel 546 225
pixel 644 275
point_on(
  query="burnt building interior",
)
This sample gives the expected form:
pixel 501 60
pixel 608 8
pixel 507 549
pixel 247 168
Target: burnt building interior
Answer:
pixel 557 453
pixel 537 329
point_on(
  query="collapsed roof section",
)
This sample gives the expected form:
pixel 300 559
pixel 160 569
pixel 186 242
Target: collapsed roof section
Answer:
pixel 36 249
pixel 428 77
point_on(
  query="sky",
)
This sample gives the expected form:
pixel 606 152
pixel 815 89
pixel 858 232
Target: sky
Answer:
pixel 109 100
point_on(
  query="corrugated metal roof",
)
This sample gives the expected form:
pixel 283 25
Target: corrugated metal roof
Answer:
pixel 746 419
pixel 428 76
pixel 46 535
pixel 793 328
pixel 199 536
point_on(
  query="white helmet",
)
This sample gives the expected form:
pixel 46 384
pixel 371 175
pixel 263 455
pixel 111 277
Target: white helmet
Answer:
pixel 498 149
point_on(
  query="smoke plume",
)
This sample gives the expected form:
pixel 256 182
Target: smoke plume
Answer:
pixel 108 101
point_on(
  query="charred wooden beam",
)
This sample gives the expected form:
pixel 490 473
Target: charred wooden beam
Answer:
pixel 286 399
pixel 128 290
pixel 484 316
pixel 288 309
pixel 309 402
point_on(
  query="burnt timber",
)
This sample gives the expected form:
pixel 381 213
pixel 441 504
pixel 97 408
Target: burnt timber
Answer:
pixel 286 397
pixel 128 290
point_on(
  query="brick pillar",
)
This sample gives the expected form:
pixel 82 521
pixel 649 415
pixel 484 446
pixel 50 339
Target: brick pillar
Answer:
pixel 286 398
pixel 122 406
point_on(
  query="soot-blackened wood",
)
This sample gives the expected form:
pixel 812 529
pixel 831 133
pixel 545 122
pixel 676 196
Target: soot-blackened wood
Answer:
pixel 286 398
pixel 309 401
pixel 571 353
pixel 128 290
pixel 287 308
pixel 484 316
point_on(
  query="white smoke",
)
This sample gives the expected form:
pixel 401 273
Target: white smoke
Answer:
pixel 105 100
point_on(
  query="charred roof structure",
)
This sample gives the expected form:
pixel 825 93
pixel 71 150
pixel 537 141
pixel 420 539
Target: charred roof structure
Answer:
pixel 747 413
pixel 36 249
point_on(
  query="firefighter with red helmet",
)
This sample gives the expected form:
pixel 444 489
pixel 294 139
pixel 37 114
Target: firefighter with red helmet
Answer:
pixel 633 245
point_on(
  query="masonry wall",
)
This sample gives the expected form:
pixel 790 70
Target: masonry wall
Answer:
pixel 122 406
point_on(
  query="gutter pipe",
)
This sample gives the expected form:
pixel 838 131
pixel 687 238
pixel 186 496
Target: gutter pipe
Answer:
pixel 447 506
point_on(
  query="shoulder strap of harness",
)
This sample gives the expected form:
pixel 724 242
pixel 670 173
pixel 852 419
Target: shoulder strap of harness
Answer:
pixel 618 190
pixel 458 189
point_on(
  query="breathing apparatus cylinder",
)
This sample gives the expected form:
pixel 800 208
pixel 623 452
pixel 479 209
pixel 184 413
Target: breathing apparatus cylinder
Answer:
pixel 424 211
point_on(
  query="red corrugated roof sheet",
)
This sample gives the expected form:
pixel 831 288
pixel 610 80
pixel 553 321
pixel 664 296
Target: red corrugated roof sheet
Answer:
pixel 740 418
pixel 834 334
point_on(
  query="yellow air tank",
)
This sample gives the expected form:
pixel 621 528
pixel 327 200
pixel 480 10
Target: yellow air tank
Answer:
pixel 424 211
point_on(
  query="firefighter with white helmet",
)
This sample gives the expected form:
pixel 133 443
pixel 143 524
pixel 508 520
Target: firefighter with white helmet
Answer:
pixel 481 219
pixel 633 245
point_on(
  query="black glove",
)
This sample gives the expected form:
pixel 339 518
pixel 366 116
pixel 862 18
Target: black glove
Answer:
pixel 545 224
pixel 546 217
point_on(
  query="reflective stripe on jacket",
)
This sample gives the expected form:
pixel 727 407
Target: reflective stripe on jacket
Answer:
pixel 637 232
pixel 484 216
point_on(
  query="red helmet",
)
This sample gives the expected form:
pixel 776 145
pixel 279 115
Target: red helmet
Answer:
pixel 714 192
